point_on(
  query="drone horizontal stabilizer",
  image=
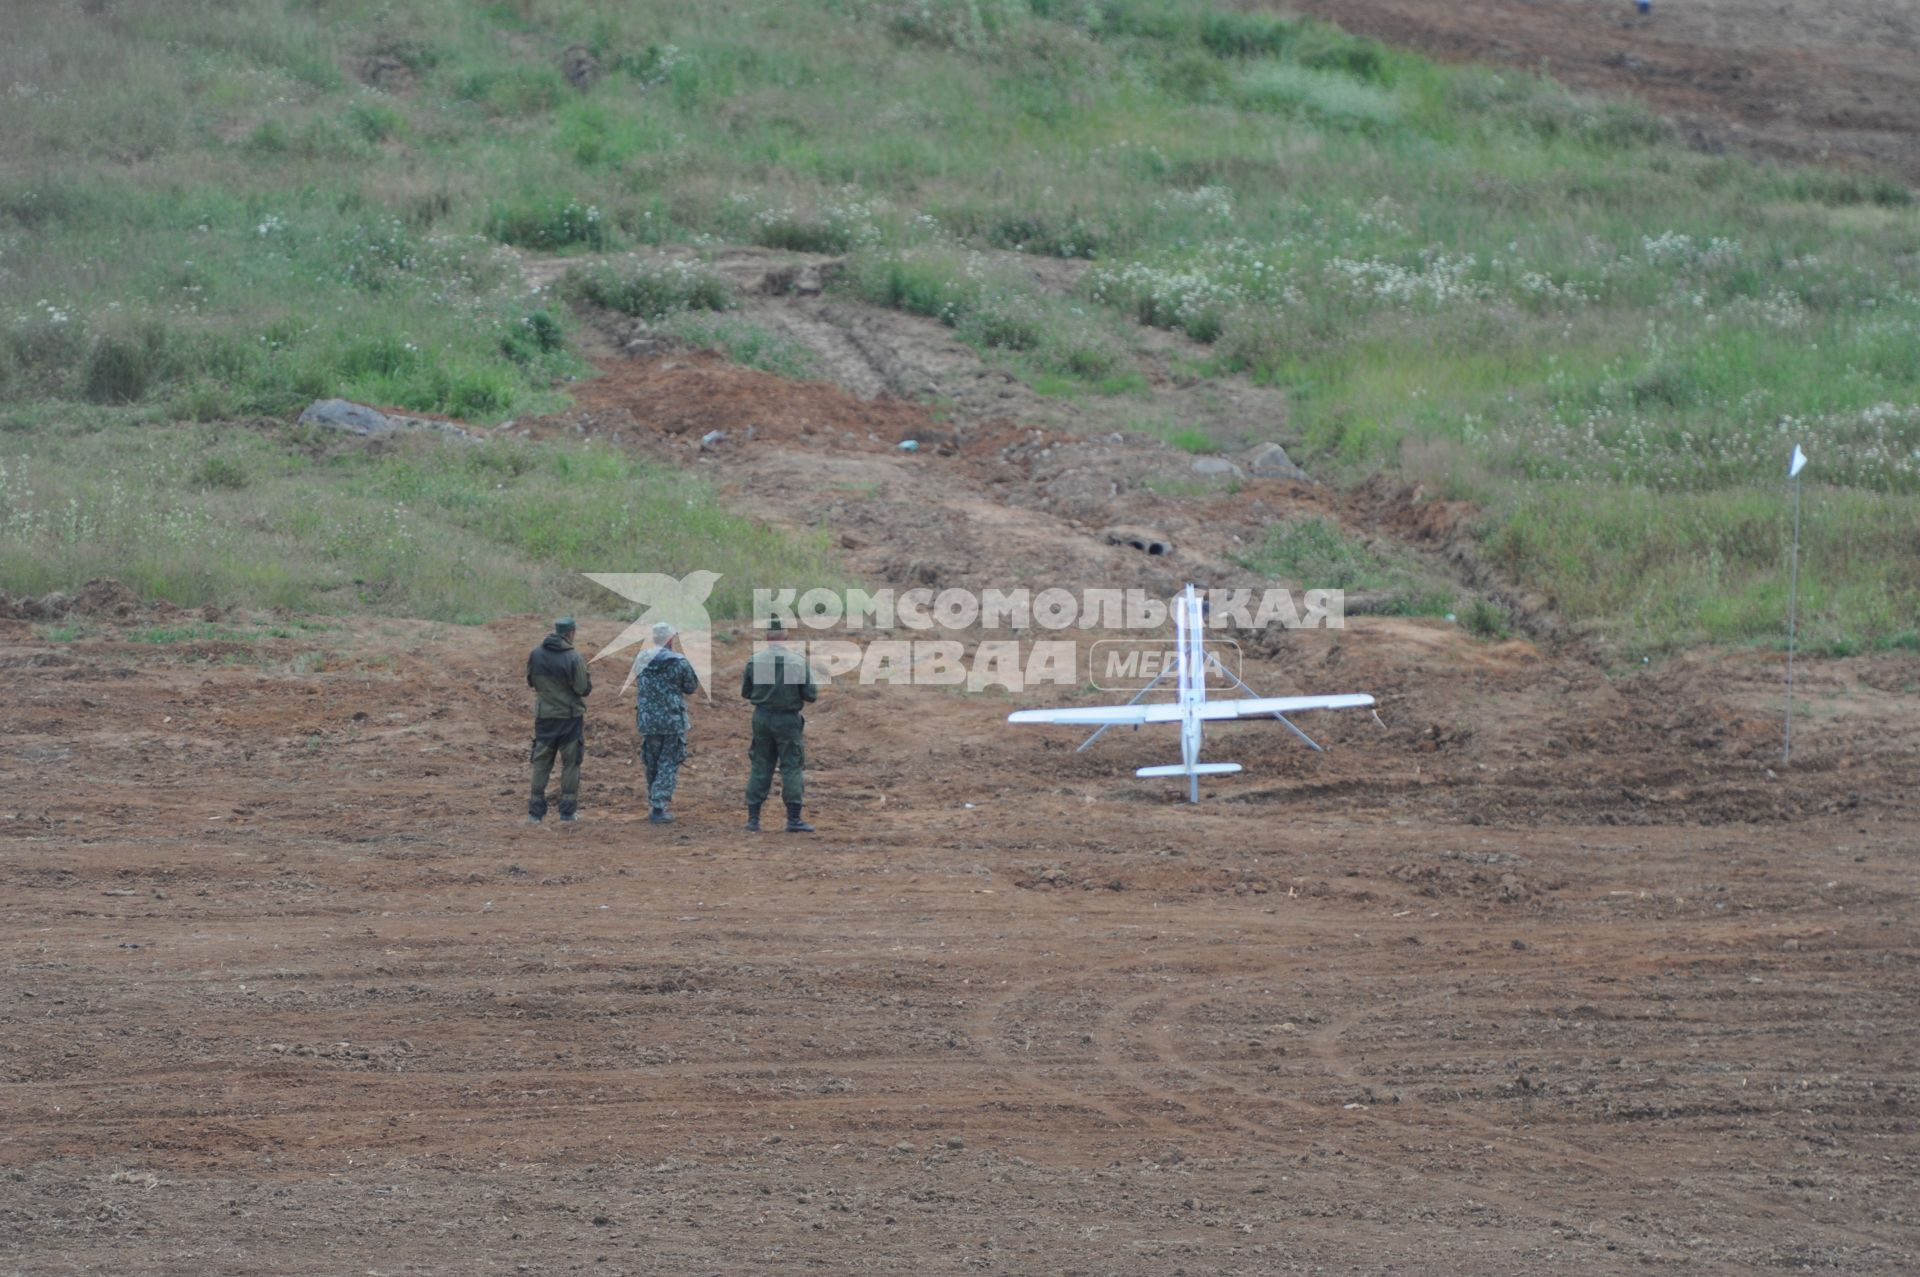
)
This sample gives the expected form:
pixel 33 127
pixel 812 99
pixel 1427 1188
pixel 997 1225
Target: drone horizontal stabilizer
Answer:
pixel 1198 769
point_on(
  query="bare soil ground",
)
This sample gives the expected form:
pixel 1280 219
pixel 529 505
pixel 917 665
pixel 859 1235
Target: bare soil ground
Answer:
pixel 1833 81
pixel 1554 972
pixel 1553 968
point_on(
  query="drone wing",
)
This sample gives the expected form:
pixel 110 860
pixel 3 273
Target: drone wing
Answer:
pixel 1099 715
pixel 1122 715
pixel 1266 706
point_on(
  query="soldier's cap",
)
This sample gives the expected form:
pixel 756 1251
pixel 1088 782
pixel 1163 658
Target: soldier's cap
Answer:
pixel 564 624
pixel 774 626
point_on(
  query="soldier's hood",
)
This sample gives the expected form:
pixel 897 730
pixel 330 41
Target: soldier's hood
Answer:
pixel 554 643
pixel 648 655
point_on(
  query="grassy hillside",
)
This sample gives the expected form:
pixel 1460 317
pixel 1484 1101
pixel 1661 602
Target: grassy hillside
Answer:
pixel 199 513
pixel 1518 296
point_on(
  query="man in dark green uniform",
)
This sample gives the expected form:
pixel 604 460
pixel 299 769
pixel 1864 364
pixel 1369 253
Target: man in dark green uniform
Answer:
pixel 558 676
pixel 778 681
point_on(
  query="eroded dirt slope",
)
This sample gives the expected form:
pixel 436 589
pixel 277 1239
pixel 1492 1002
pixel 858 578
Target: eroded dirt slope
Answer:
pixel 1835 81
pixel 1002 487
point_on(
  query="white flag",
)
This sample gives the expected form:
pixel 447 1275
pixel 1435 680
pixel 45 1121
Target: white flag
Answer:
pixel 1799 460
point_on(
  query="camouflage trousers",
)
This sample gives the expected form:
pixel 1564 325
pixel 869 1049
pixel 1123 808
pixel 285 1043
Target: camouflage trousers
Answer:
pixel 663 756
pixel 778 741
pixel 569 754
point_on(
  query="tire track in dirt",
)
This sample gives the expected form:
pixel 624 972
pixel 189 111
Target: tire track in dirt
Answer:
pixel 1107 1064
pixel 1324 1043
pixel 828 334
pixel 1439 1189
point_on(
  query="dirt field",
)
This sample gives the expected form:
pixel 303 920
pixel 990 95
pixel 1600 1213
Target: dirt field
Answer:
pixel 1551 973
pixel 1835 81
pixel 1554 969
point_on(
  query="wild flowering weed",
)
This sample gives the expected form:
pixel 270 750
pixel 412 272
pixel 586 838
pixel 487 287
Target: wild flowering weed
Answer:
pixel 548 224
pixel 1195 292
pixel 1190 298
pixel 373 254
pixel 650 290
pixel 1778 309
pixel 841 223
pixel 1672 248
pixel 1215 202
pixel 1438 281
pixel 1876 448
pixel 1199 292
pixel 1542 288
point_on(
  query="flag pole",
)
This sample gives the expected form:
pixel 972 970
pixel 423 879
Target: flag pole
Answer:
pixel 1793 595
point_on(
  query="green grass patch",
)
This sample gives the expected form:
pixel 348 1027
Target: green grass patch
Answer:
pixel 1486 619
pixel 200 632
pixel 1328 97
pixel 418 527
pixel 745 343
pixel 1713 566
pixel 1056 344
pixel 1315 553
pixel 550 223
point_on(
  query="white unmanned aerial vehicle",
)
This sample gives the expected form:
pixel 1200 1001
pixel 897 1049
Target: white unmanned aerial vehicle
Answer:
pixel 1193 709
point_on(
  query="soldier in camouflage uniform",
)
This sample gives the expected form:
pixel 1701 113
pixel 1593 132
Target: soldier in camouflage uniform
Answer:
pixel 558 676
pixel 662 680
pixel 778 682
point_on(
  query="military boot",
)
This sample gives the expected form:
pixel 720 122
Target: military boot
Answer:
pixel 660 816
pixel 795 825
pixel 753 818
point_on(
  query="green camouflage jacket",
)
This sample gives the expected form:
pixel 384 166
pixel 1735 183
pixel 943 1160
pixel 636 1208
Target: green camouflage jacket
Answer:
pixel 558 676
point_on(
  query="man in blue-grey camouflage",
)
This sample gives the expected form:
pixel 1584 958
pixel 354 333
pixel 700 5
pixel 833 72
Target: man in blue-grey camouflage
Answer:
pixel 662 680
pixel 778 681
pixel 558 676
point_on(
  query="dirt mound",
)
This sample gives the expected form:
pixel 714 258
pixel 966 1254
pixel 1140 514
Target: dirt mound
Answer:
pixel 877 354
pixel 975 502
pixel 102 598
pixel 680 398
